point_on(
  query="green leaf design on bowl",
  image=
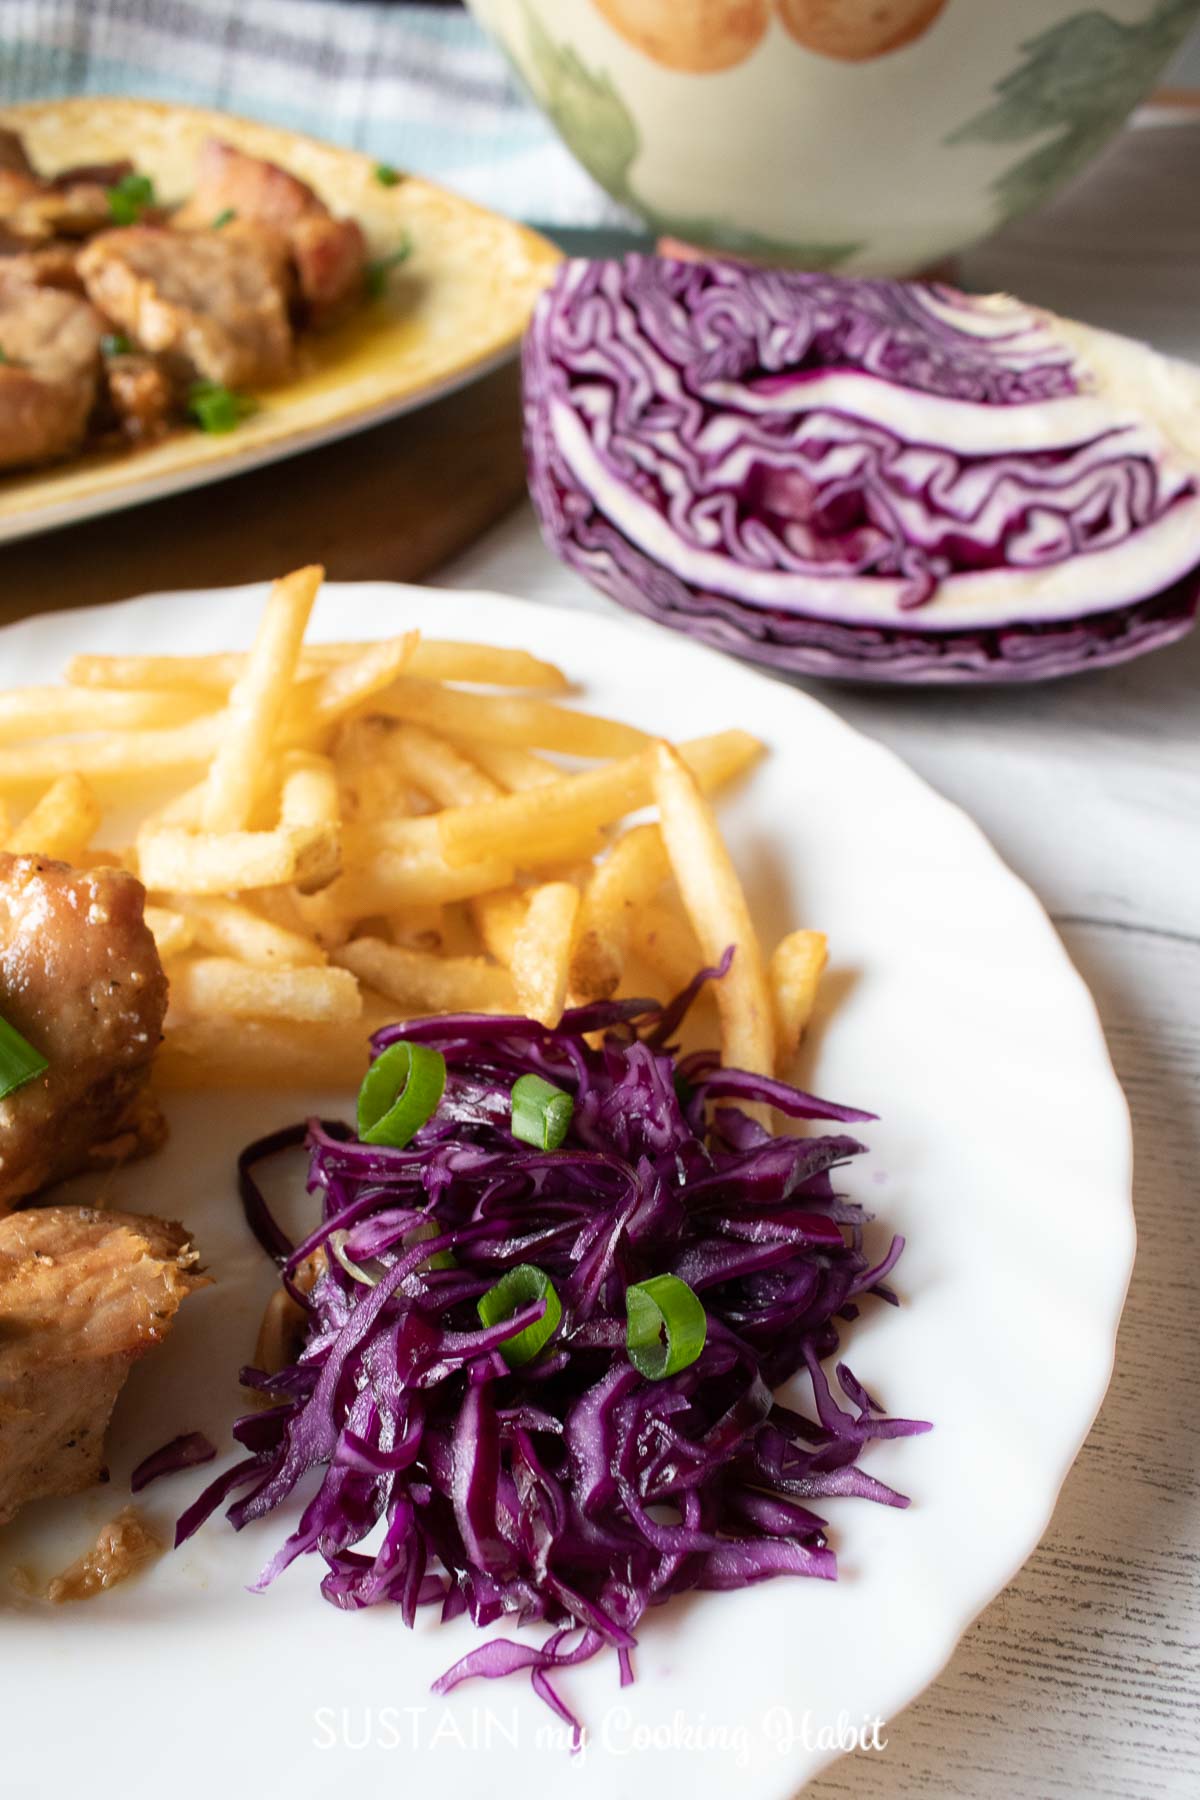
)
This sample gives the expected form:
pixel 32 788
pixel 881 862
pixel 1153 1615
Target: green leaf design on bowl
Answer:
pixel 1078 81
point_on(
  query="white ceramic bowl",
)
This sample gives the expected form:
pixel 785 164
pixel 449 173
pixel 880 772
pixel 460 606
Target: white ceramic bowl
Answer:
pixel 870 136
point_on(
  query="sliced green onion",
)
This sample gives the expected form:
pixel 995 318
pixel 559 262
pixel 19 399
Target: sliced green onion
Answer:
pixel 225 217
pixel 541 1112
pixel 129 198
pixel 3 355
pixel 378 272
pixel 400 1091
pixel 115 343
pixel 19 1061
pixel 520 1288
pixel 386 176
pixel 441 1259
pixel 666 1326
pixel 215 408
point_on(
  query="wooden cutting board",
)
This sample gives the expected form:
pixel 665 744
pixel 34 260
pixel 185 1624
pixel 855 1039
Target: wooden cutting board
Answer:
pixel 390 503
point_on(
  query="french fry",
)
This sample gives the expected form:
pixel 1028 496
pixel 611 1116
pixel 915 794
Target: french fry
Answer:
pixel 541 956
pixel 171 931
pixel 433 659
pixel 269 1053
pixel 511 767
pixel 230 928
pixel 125 756
pixel 420 982
pixel 62 824
pixel 713 898
pixel 662 937
pixel 321 703
pixel 309 804
pixel 171 859
pixel 396 864
pixel 498 917
pixel 440 771
pixel 505 719
pixel 240 767
pixel 222 987
pixel 794 974
pixel 519 824
pixel 38 712
pixel 624 881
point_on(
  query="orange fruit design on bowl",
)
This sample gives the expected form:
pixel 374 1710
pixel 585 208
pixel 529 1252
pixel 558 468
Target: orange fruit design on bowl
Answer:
pixel 857 30
pixel 697 37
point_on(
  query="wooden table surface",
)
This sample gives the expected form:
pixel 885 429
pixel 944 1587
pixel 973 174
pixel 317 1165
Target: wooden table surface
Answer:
pixel 1083 1678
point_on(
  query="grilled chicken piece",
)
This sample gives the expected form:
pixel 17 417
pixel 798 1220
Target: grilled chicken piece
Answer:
pixel 80 979
pixel 211 304
pixel 140 395
pixel 51 358
pixel 82 1295
pixel 330 254
pixel 51 264
pixel 12 153
pixel 74 204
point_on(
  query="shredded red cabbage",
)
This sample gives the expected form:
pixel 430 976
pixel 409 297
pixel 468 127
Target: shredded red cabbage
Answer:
pixel 185 1452
pixel 571 1490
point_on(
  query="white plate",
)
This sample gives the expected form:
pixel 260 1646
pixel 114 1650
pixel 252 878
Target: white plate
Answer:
pixel 1002 1154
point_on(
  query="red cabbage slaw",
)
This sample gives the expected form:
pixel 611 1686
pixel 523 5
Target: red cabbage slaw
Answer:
pixel 570 1489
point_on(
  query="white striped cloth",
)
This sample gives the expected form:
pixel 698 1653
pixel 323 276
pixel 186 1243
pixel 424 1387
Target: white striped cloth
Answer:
pixel 419 86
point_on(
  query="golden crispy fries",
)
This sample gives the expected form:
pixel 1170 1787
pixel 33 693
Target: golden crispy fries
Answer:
pixel 121 756
pixel 334 833
pixel 623 881
pixel 395 864
pixel 794 973
pixel 221 986
pixel 186 862
pixel 172 932
pixel 421 982
pixel 438 770
pixel 370 783
pixel 498 918
pixel 229 928
pixel 346 685
pixel 519 824
pixel 62 824
pixel 541 956
pixel 511 767
pixel 661 935
pixel 505 719
pixel 713 898
pixel 270 1053
pixel 433 659
pixel 48 711
pixel 257 702
pixel 309 804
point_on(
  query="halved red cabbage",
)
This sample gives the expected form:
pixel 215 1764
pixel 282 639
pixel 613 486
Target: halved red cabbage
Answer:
pixel 876 480
pixel 571 1489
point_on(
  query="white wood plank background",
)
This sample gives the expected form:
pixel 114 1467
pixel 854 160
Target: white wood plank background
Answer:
pixel 1083 1678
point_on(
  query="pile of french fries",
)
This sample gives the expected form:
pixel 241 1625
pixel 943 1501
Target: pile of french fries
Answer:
pixel 336 835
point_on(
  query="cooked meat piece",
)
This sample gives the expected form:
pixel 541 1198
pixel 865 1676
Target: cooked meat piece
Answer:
pixel 212 305
pixel 330 254
pixel 140 394
pixel 51 264
pixel 36 210
pixel 331 264
pixel 12 153
pixel 125 1545
pixel 103 175
pixel 82 1295
pixel 50 342
pixel 80 978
